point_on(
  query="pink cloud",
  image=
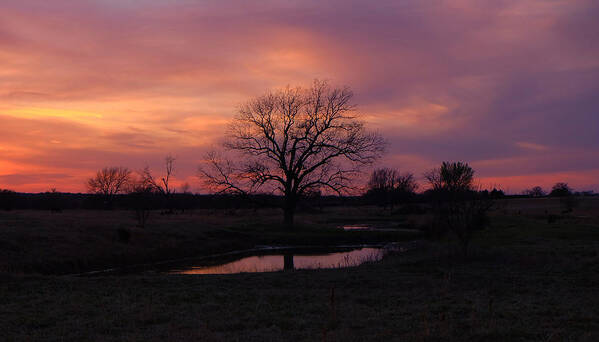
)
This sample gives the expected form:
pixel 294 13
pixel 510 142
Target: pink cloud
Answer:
pixel 506 85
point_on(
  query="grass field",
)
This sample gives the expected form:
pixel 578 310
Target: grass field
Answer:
pixel 527 279
pixel 78 241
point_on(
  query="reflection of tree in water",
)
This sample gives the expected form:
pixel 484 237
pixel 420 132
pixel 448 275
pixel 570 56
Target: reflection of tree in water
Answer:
pixel 333 260
pixel 291 261
pixel 288 262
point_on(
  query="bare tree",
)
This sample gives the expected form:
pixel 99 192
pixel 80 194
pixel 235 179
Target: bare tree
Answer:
pixel 162 186
pixel 389 186
pixel 406 182
pixel 141 194
pixel 536 191
pixel 560 189
pixel 566 195
pixel 294 141
pixel 383 179
pixel 458 204
pixel 452 177
pixel 465 215
pixel 108 182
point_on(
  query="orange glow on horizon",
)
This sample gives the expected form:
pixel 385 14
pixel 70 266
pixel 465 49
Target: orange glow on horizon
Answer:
pixel 95 84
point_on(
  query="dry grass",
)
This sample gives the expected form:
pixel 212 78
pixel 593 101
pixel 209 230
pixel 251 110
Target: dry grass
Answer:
pixel 77 241
pixel 527 280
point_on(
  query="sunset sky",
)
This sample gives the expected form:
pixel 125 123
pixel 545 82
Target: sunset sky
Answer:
pixel 511 87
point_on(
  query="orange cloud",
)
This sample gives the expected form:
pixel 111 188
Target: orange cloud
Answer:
pixel 95 83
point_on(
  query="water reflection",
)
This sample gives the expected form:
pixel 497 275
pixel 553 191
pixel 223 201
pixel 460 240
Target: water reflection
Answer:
pixel 357 227
pixel 288 261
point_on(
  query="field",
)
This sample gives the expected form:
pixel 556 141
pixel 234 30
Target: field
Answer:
pixel 533 275
pixel 79 241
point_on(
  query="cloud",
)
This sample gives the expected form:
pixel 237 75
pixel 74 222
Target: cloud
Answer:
pixel 89 83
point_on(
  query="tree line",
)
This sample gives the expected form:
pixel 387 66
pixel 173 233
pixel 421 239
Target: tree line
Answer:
pixel 292 144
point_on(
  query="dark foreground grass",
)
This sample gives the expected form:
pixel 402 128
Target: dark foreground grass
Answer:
pixel 77 241
pixel 527 280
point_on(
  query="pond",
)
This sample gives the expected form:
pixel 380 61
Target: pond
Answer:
pixel 264 259
pixel 387 227
pixel 289 259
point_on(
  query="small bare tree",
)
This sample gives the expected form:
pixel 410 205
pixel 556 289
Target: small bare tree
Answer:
pixel 141 194
pixel 458 204
pixel 164 185
pixel 294 141
pixel 388 186
pixel 536 191
pixel 451 177
pixel 108 182
pixel 383 179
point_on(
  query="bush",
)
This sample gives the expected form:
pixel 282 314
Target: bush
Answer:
pixel 560 190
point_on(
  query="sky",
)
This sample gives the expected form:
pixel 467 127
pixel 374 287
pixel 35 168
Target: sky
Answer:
pixel 511 87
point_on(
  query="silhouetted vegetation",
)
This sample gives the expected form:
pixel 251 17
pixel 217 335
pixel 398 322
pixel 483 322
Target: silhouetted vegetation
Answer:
pixel 164 186
pixel 536 191
pixel 560 190
pixel 567 198
pixel 292 142
pixel 109 182
pixel 61 238
pixel 142 198
pixel 524 278
pixel 496 193
pixel 388 187
pixel 457 205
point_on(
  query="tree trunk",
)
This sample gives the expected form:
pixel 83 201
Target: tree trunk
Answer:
pixel 288 262
pixel 289 211
pixel 288 216
pixel 465 243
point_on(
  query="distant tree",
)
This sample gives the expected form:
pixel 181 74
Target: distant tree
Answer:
pixel 567 198
pixel 497 193
pixel 458 206
pixel 380 185
pixel 406 184
pixel 141 196
pixel 560 190
pixel 451 177
pixel 536 191
pixel 108 182
pixel 388 186
pixel 382 179
pixel 163 186
pixel 294 141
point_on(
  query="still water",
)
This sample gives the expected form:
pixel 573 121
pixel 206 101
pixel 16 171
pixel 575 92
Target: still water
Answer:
pixel 287 261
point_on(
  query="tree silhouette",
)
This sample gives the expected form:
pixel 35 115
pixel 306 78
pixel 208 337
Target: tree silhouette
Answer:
pixel 108 182
pixel 141 194
pixel 536 191
pixel 560 190
pixel 458 206
pixel 163 186
pixel 294 141
pixel 388 186
pixel 451 177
